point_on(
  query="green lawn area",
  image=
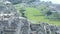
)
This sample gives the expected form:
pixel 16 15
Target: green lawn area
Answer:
pixel 30 12
pixel 31 15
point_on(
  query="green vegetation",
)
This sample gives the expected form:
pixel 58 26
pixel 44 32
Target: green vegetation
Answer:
pixel 36 15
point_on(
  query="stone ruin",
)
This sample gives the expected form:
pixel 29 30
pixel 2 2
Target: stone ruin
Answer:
pixel 44 28
pixel 12 23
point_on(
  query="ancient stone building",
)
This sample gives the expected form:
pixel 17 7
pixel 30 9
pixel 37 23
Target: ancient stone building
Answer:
pixel 10 22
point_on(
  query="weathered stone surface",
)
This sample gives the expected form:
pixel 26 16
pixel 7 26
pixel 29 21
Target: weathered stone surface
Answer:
pixel 10 22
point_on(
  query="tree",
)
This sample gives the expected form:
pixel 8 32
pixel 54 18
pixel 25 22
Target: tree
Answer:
pixel 22 11
pixel 49 13
pixel 15 1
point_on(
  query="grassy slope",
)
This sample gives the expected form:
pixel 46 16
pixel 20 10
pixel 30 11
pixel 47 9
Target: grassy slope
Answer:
pixel 30 12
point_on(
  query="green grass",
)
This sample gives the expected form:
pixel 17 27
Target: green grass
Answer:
pixel 31 12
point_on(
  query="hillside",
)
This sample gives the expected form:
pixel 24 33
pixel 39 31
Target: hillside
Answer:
pixel 41 12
